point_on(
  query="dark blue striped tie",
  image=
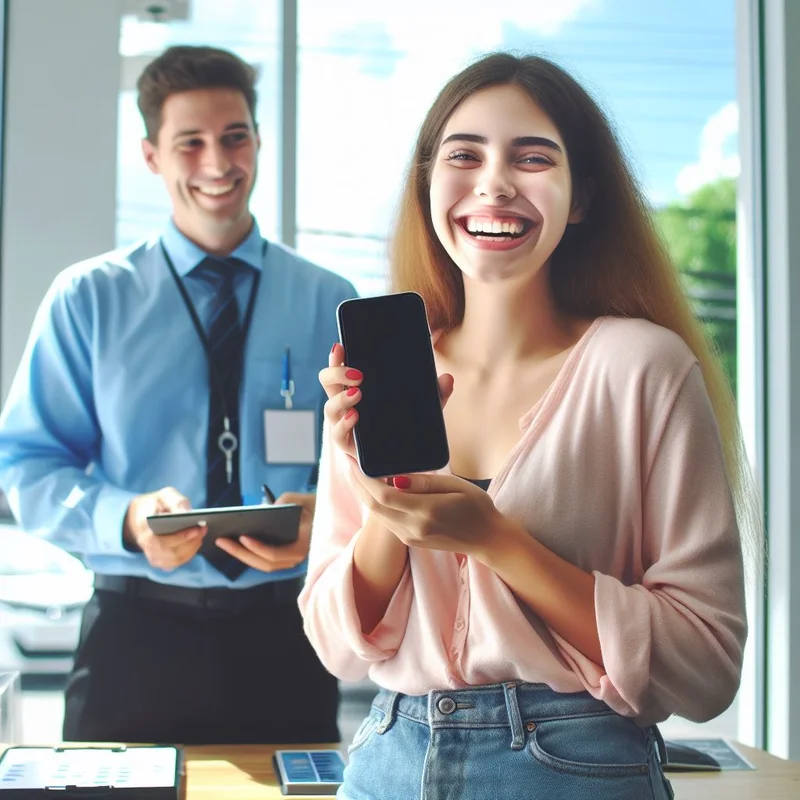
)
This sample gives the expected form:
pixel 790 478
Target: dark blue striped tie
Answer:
pixel 226 346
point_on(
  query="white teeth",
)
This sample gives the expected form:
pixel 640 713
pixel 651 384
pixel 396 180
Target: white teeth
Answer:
pixel 484 225
pixel 215 190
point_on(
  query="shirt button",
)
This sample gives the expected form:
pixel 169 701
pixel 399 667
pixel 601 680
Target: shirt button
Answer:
pixel 460 625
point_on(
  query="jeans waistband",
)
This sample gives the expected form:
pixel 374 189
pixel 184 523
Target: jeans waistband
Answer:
pixel 512 704
pixel 218 599
pixel 490 705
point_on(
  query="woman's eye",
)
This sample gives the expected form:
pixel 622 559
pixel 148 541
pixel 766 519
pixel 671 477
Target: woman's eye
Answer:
pixel 536 159
pixel 460 155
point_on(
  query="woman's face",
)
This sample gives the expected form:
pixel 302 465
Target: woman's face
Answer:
pixel 501 189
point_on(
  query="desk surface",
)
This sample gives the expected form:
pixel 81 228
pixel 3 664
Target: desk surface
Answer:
pixel 245 773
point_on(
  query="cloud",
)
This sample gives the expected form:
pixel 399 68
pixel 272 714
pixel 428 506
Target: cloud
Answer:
pixel 474 21
pixel 429 25
pixel 718 157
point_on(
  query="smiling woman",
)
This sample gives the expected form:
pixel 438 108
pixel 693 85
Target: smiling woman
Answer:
pixel 502 182
pixel 542 627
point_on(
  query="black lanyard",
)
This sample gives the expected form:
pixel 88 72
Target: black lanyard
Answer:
pixel 198 325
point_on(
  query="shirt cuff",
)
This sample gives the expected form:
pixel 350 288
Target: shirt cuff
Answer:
pixel 109 517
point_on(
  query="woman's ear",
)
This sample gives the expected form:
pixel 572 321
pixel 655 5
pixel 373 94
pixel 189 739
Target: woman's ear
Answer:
pixel 581 201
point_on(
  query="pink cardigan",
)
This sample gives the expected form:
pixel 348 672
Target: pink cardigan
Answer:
pixel 620 471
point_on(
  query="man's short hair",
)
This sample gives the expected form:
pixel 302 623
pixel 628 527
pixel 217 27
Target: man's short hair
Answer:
pixel 183 68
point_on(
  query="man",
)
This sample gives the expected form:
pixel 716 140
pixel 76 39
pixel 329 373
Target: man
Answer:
pixel 160 377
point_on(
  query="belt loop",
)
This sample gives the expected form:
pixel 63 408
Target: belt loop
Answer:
pixel 514 716
pixel 661 745
pixel 390 713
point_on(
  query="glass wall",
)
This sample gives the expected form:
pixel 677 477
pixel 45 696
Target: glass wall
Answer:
pixel 366 73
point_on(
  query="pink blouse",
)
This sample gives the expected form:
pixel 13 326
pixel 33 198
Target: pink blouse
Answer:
pixel 620 471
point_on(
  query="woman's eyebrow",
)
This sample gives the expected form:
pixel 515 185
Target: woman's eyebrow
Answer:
pixel 520 141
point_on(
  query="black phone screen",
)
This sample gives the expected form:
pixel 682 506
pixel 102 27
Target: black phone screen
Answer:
pixel 400 425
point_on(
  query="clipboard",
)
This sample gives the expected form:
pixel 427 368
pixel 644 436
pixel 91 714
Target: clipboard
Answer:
pixel 123 773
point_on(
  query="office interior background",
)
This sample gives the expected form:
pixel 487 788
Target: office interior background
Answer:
pixel 706 97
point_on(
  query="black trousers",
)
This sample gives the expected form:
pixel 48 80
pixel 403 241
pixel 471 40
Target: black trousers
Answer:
pixel 160 672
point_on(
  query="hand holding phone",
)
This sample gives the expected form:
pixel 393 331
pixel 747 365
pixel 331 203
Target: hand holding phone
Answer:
pixel 399 425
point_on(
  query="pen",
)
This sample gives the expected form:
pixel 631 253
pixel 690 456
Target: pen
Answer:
pixel 286 382
pixel 268 496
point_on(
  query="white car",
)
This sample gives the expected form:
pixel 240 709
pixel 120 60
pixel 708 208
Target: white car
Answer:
pixel 42 594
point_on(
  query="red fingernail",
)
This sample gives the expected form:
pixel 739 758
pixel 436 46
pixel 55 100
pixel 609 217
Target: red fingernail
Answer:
pixel 350 413
pixel 334 347
pixel 352 390
pixel 402 482
pixel 353 375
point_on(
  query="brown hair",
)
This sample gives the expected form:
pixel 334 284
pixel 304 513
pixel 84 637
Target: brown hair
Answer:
pixel 183 68
pixel 612 263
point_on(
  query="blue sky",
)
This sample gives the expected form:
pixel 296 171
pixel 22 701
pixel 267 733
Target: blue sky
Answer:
pixel 666 71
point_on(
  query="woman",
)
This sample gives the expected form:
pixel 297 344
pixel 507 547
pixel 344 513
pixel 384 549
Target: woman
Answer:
pixel 576 575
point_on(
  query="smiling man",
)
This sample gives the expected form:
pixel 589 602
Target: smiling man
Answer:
pixel 164 376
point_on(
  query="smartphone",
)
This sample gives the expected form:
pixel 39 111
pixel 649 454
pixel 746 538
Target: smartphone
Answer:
pixel 400 426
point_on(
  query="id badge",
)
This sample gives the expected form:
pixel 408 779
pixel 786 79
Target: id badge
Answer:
pixel 290 436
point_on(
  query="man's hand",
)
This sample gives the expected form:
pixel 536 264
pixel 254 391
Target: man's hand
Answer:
pixel 168 551
pixel 270 558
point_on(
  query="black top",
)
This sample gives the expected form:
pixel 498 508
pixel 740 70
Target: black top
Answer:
pixel 481 483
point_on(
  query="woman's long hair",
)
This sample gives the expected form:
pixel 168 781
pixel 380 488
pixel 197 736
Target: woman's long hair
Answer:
pixel 612 263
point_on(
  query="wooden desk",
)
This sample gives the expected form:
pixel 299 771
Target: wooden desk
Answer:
pixel 245 773
pixel 236 772
pixel 774 779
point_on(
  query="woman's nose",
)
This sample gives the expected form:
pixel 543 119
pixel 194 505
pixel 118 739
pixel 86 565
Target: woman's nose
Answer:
pixel 495 182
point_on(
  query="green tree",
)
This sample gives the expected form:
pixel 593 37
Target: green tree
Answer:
pixel 700 233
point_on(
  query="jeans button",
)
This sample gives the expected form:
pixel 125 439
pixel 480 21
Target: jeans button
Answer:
pixel 446 705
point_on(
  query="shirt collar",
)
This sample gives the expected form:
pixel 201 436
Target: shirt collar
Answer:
pixel 186 255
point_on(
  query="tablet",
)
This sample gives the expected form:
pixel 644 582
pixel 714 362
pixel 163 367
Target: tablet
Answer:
pixel 276 524
pixel 135 773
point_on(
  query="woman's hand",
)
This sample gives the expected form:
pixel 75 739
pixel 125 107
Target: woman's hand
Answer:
pixel 440 512
pixel 341 383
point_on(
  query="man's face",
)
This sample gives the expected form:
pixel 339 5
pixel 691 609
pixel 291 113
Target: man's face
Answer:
pixel 207 151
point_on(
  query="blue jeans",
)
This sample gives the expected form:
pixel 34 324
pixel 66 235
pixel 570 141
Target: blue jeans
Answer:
pixel 512 741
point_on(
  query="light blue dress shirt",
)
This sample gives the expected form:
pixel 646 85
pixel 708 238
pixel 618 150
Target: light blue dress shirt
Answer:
pixel 111 396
